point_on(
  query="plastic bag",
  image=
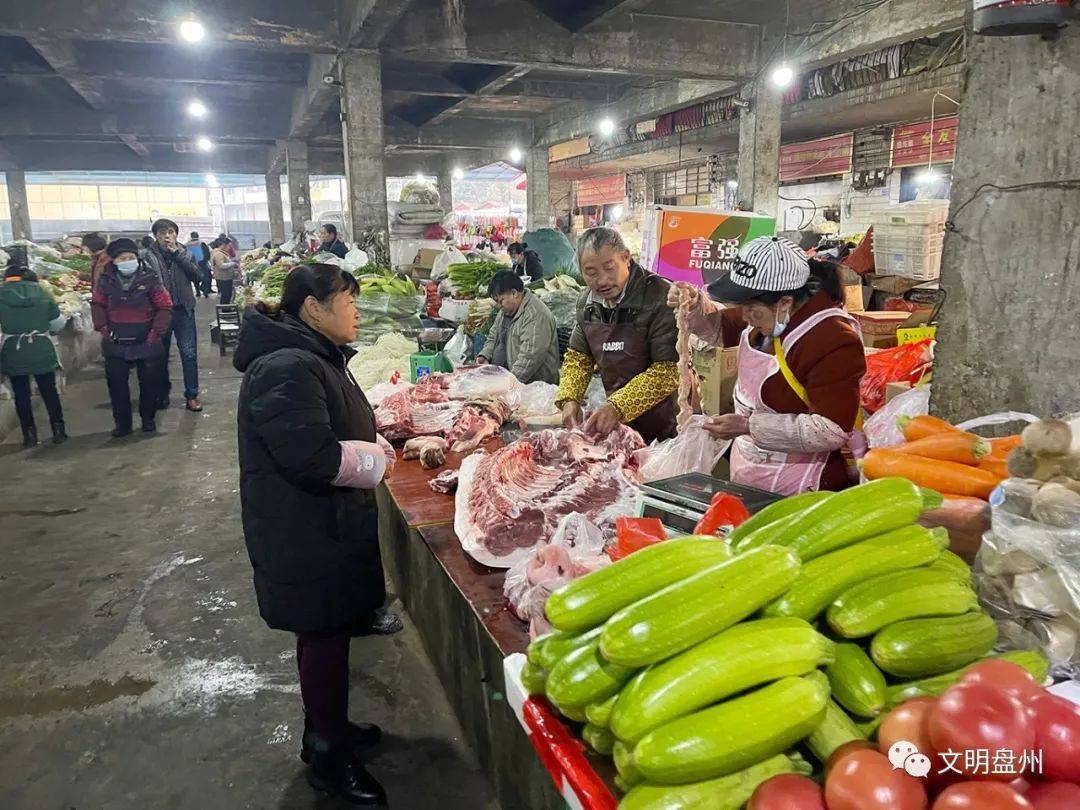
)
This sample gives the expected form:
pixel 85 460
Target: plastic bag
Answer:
pixel 726 511
pixel 595 395
pixel 482 382
pixel 563 305
pixel 635 533
pixel 536 401
pixel 355 259
pixel 1028 576
pixel 693 450
pixel 994 419
pixel 443 261
pixel 882 430
pixel 381 313
pixel 905 363
pixel 457 348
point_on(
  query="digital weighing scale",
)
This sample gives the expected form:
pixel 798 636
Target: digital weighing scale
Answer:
pixel 680 502
pixel 429 359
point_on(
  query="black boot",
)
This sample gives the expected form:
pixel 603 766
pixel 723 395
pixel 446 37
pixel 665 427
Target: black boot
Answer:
pixel 59 434
pixel 360 736
pixel 120 431
pixel 29 436
pixel 339 772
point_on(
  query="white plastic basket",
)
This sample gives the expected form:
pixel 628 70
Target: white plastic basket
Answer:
pixel 920 263
pixel 926 213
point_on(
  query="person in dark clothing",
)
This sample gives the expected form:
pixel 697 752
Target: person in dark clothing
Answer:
pixel 310 460
pixel 526 262
pixel 178 272
pixel 330 242
pixel 146 243
pixel 200 253
pixel 27 315
pixel 132 309
pixel 93 245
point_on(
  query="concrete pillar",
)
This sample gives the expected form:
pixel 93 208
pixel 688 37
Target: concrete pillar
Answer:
pixel 362 132
pixel 18 204
pixel 538 191
pixel 446 184
pixel 759 150
pixel 296 166
pixel 1009 329
pixel 273 205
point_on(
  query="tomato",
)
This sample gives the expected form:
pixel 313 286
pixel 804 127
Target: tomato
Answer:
pixel 909 721
pixel 864 780
pixel 1006 675
pixel 976 717
pixel 844 750
pixel 1054 796
pixel 1057 735
pixel 789 791
pixel 980 796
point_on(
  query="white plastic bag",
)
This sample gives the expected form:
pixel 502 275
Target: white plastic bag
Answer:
pixel 355 259
pixel 441 265
pixel 881 429
pixel 537 401
pixel 693 450
pixel 595 395
pixel 994 419
pixel 457 349
pixel 482 382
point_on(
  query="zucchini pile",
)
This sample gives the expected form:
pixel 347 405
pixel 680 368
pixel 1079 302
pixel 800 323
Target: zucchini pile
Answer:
pixel 705 666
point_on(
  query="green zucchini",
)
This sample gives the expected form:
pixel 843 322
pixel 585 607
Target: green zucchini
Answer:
pixel 822 580
pixel 533 678
pixel 622 785
pixel 536 646
pixel 600 740
pixel 575 713
pixel 866 607
pixel 623 755
pixel 955 565
pixel 735 734
pixel 599 714
pixel 835 730
pixel 688 612
pixel 590 600
pixel 729 792
pixel 746 655
pixel 920 647
pixel 585 677
pixel 1034 662
pixel 856 683
pixel 560 645
pixel 788 507
pixel 931 499
pixel 868 728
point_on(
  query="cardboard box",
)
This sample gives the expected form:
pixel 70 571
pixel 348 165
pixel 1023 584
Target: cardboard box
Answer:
pixel 717 370
pixel 879 341
pixel 425 258
pixel 893 285
pixel 881 323
pixel 853 290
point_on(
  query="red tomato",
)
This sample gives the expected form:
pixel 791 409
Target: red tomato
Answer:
pixel 975 717
pixel 1057 735
pixel 1054 796
pixel 1006 675
pixel 864 780
pixel 980 796
pixel 909 721
pixel 846 749
pixel 789 791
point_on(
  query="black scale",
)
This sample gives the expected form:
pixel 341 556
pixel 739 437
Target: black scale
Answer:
pixel 680 502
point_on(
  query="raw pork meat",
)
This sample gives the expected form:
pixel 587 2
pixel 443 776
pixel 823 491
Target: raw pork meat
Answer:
pixel 688 380
pixel 511 501
pixel 445 482
pixel 423 409
pixel 430 450
pixel 478 421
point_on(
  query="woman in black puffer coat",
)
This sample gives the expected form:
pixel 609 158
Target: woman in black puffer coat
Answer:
pixel 310 460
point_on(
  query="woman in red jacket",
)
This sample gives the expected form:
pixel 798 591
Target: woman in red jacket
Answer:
pixel 801 360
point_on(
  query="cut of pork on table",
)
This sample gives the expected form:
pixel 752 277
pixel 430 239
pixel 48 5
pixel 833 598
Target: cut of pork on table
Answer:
pixel 478 421
pixel 429 450
pixel 445 482
pixel 511 501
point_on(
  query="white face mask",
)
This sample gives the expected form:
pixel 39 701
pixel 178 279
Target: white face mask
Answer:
pixel 127 268
pixel 781 323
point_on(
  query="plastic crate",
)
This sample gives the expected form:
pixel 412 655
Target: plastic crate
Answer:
pixel 927 213
pixel 920 263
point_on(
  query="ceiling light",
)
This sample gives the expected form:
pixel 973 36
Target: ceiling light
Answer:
pixel 458 173
pixel 782 75
pixel 192 31
pixel 419 177
pixel 204 144
pixel 927 176
pixel 732 184
pixel 617 212
pixel 515 154
pixel 196 108
pixel 211 179
pixel 607 127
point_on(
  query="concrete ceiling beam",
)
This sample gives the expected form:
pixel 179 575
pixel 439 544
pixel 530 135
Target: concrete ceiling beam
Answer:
pixel 488 87
pixel 605 13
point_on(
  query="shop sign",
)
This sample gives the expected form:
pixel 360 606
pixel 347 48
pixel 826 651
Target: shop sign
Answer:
pixel 818 158
pixel 607 190
pixel 915 334
pixel 568 149
pixel 911 143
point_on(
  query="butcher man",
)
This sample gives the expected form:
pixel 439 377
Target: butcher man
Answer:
pixel 625 330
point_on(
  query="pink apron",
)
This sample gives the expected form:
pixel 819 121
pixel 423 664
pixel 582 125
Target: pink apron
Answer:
pixel 782 473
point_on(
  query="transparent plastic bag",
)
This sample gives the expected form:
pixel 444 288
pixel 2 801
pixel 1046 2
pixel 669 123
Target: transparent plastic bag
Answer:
pixel 457 348
pixel 693 450
pixel 482 382
pixel 881 429
pixel 537 400
pixel 381 313
pixel 595 395
pixel 355 259
pixel 906 363
pixel 443 261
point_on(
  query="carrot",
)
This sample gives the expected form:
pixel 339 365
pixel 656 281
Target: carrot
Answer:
pixel 919 427
pixel 995 465
pixel 963 499
pixel 963 448
pixel 944 476
pixel 999 448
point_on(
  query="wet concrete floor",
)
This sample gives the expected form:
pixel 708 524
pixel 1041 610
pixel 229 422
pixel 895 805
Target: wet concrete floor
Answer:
pixel 135 671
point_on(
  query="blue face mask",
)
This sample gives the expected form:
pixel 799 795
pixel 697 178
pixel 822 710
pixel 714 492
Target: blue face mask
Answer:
pixel 127 268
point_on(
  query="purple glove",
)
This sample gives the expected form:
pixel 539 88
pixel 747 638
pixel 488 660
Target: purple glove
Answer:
pixel 362 465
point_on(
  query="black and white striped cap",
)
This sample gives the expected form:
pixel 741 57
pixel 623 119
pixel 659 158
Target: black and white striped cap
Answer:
pixel 765 264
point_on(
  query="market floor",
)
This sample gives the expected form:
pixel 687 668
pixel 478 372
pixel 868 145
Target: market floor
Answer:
pixel 135 671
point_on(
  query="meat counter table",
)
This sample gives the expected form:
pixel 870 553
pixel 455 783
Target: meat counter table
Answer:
pixel 458 609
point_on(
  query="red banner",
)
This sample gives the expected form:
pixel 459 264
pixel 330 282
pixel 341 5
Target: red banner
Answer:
pixel 911 143
pixel 818 158
pixel 601 190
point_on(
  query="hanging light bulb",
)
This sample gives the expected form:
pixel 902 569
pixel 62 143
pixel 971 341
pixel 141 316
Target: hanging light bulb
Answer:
pixel 733 184
pixel 204 144
pixel 782 75
pixel 196 109
pixel 927 176
pixel 607 127
pixel 616 213
pixel 211 179
pixel 458 173
pixel 192 31
pixel 515 154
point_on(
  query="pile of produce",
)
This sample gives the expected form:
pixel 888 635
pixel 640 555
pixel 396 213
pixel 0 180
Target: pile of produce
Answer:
pixel 560 293
pixel 471 279
pixel 706 666
pixel 387 303
pixel 390 354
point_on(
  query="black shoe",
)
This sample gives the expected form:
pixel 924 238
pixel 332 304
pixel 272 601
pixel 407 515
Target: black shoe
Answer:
pixel 338 772
pixel 149 426
pixel 360 737
pixel 121 432
pixel 29 436
pixel 386 623
pixel 59 434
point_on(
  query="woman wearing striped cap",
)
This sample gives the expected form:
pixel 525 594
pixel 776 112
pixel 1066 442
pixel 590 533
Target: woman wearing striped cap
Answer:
pixel 800 363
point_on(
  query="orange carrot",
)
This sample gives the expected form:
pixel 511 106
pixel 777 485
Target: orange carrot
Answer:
pixel 995 465
pixel 919 427
pixel 999 448
pixel 943 476
pixel 962 499
pixel 963 448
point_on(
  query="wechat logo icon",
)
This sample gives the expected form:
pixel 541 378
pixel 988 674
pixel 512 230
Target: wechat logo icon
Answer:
pixel 905 756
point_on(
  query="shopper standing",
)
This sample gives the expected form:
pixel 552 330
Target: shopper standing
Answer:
pixel 200 254
pixel 178 272
pixel 224 269
pixel 132 310
pixel 26 314
pixel 93 245
pixel 330 241
pixel 310 460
